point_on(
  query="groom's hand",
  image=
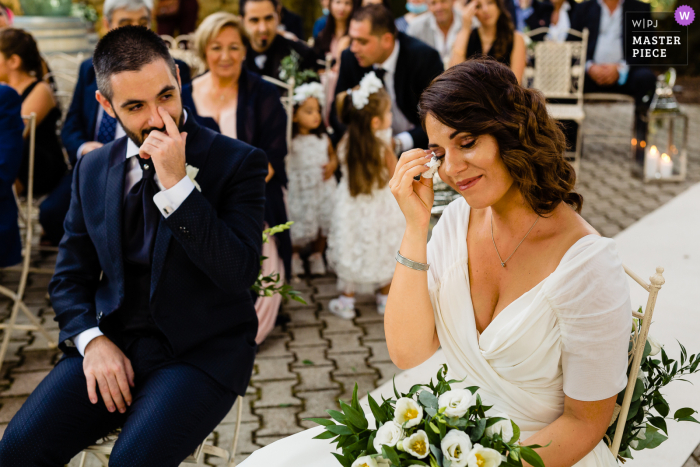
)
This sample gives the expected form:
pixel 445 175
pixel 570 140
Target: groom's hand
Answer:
pixel 167 151
pixel 106 366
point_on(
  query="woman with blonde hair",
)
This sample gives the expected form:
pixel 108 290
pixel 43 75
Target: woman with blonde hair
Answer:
pixel 240 104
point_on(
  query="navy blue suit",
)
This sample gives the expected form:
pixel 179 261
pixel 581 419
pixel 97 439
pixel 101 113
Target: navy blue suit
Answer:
pixel 81 118
pixel 11 144
pixel 206 257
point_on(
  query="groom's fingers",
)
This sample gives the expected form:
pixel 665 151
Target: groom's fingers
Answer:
pixel 91 386
pixel 124 392
pixel 170 125
pixel 104 392
pixel 116 392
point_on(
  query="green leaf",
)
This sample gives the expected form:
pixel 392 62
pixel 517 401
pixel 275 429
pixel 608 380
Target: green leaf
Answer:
pixel 325 435
pixel 647 350
pixel 516 433
pixel 656 439
pixel 531 457
pixel 355 403
pixel 638 390
pixel 377 411
pixel 339 429
pixel 661 406
pixel 344 461
pixel 428 399
pixel 684 413
pixel 433 462
pixel 321 421
pixel 472 389
pixel 396 393
pixel 478 430
pixel 634 408
pixel 389 453
pixel 434 427
pixel 337 416
pixel 659 423
pixel 307 362
pixel 356 417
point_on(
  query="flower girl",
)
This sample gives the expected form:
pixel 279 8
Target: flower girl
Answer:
pixel 367 225
pixel 311 184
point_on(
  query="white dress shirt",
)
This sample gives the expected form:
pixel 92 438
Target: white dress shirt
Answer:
pixel 400 124
pixel 609 47
pixel 167 202
pixel 560 32
pixel 444 44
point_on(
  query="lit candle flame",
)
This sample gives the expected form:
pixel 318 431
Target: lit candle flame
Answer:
pixel 643 144
pixel 653 151
pixel 665 157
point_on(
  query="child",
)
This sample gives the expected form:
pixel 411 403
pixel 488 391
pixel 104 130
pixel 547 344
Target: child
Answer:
pixel 367 225
pixel 311 184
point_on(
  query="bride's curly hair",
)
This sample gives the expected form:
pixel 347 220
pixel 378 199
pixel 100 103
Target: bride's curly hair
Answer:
pixel 482 96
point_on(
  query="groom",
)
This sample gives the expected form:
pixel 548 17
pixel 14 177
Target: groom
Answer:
pixel 151 289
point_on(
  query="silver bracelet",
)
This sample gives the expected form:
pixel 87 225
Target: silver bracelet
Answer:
pixel 410 263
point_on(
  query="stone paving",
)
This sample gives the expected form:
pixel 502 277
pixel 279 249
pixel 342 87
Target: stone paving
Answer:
pixel 304 368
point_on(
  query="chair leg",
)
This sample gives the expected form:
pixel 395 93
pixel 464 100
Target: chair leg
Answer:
pixel 83 457
pixel 35 321
pixel 579 148
pixel 236 433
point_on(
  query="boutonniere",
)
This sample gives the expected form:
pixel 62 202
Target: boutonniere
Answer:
pixel 192 172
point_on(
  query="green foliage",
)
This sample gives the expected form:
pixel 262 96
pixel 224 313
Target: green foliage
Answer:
pixel 84 11
pixel 267 286
pixel 645 427
pixel 289 66
pixel 350 431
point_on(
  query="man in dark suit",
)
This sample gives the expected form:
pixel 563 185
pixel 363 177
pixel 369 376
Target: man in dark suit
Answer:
pixel 152 283
pixel 607 67
pixel 405 64
pixel 11 144
pixel 267 47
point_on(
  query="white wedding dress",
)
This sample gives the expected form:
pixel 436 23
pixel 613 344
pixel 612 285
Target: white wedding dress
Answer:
pixel 567 335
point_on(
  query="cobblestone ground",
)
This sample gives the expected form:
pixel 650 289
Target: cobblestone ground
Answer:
pixel 305 367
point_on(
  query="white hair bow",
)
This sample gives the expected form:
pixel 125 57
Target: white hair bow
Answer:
pixel 369 84
pixel 307 90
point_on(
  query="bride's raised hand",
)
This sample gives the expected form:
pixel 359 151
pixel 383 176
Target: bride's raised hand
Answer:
pixel 415 198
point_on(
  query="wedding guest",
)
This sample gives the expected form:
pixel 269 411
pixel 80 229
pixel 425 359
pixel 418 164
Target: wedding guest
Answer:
pixel 238 103
pixel 152 282
pixel 11 128
pixel 607 68
pixel 415 9
pixel 290 22
pixel 494 37
pixel 87 127
pixel 175 17
pixel 555 15
pixel 333 39
pixel 439 27
pixel 6 16
pixel 320 23
pixel 405 65
pixel 266 47
pixel 386 3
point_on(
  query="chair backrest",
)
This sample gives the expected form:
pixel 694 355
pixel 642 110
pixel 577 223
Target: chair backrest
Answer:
pixel 557 69
pixel 639 339
pixel 287 102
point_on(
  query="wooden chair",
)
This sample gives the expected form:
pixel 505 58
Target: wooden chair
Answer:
pixel 558 69
pixel 103 449
pixel 24 269
pixel 287 102
pixel 639 339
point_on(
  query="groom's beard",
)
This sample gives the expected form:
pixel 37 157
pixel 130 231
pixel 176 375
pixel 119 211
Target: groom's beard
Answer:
pixel 139 139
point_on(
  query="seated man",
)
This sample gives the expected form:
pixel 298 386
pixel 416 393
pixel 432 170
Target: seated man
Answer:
pixel 607 68
pixel 404 63
pixel 11 144
pixel 267 47
pixel 153 277
pixel 438 28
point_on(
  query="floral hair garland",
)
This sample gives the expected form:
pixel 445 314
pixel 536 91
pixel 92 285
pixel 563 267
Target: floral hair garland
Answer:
pixel 308 90
pixel 369 84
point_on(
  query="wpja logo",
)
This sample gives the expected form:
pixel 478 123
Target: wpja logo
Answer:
pixel 684 15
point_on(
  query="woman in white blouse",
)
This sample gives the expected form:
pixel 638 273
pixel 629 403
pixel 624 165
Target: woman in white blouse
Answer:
pixel 526 299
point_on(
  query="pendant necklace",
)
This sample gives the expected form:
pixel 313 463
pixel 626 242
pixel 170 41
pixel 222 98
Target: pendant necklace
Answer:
pixel 503 263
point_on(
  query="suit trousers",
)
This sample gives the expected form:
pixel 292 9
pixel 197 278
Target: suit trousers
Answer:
pixel 175 406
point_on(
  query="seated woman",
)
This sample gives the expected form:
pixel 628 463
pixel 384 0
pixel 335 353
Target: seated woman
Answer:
pixel 21 68
pixel 526 299
pixel 333 39
pixel 495 37
pixel 240 104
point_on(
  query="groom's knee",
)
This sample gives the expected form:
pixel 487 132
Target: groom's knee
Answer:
pixel 26 446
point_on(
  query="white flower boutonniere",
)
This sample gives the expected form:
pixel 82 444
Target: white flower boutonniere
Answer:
pixel 192 174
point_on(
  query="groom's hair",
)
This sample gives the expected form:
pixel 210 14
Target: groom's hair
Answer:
pixel 128 48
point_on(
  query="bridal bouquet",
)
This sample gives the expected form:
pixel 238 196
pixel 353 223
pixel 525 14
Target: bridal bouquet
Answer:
pixel 432 425
pixel 646 420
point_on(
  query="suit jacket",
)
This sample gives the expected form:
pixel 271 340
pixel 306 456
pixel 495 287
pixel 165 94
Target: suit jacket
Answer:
pixel 280 48
pixel 261 121
pixel 417 65
pixel 11 144
pixel 79 126
pixel 293 23
pixel 588 16
pixel 206 255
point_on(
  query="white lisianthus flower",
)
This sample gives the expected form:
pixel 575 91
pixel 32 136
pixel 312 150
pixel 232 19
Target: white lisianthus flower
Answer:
pixel 504 428
pixel 365 461
pixel 408 411
pixel 456 446
pixel 381 462
pixel 483 457
pixel 640 436
pixel 192 172
pixel 388 435
pixel 456 402
pixel 417 444
pixel 655 345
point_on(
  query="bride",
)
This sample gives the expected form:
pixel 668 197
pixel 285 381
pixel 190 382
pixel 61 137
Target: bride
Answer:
pixel 527 301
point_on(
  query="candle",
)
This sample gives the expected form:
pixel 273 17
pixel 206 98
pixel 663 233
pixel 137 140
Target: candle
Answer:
pixel 666 165
pixel 652 162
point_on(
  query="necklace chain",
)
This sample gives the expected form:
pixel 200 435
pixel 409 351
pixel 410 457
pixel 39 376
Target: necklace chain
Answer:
pixel 503 263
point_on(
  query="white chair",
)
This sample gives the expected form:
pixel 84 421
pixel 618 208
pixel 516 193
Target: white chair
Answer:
pixel 558 72
pixel 24 269
pixel 104 448
pixel 182 48
pixel 639 339
pixel 287 102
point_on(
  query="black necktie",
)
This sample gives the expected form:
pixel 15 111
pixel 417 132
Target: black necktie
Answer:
pixel 141 217
pixel 380 72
